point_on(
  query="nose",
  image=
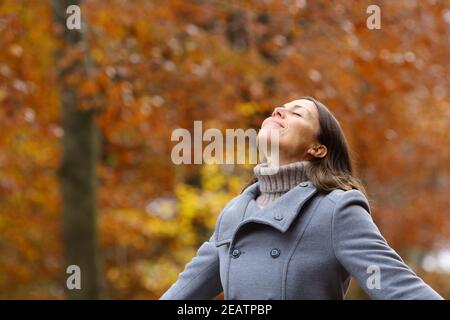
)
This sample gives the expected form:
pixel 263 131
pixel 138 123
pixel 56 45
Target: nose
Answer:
pixel 278 111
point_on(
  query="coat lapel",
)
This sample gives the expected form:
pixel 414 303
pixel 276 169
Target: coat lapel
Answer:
pixel 278 214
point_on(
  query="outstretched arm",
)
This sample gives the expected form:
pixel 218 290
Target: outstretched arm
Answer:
pixel 200 279
pixel 364 253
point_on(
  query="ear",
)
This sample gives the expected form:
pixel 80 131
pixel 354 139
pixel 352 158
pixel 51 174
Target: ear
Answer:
pixel 318 151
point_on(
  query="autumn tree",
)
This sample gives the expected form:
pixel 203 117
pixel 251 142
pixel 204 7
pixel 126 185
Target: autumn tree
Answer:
pixel 80 152
pixel 140 69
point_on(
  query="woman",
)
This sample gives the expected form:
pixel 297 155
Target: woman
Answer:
pixel 303 231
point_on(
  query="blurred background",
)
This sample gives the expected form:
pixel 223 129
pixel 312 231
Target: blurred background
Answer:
pixel 86 119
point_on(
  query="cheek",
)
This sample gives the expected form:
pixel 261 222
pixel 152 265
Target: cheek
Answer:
pixel 297 136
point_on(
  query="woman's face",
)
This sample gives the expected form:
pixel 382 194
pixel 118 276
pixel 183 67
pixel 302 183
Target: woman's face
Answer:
pixel 297 125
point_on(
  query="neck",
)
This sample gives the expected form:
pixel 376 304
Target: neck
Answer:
pixel 273 184
pixel 280 159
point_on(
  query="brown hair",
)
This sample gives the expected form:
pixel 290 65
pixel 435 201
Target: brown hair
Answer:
pixel 334 171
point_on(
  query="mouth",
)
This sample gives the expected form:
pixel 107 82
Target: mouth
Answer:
pixel 272 121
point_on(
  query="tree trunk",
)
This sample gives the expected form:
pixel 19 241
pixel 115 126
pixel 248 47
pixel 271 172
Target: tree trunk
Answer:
pixel 79 158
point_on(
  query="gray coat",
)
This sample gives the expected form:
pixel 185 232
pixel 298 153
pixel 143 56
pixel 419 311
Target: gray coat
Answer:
pixel 303 245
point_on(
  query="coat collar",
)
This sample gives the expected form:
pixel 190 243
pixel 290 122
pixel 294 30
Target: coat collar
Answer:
pixel 278 214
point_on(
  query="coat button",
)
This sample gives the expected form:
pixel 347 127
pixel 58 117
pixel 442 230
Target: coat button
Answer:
pixel 236 253
pixel 278 217
pixel 275 253
pixel 304 184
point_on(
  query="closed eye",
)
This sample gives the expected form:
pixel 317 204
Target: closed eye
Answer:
pixel 298 114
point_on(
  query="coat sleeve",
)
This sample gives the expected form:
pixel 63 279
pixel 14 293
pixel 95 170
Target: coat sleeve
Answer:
pixel 200 279
pixel 365 254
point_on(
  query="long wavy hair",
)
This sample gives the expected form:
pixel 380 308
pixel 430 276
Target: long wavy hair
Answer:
pixel 334 171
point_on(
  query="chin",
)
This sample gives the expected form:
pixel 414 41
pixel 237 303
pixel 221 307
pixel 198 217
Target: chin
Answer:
pixel 264 137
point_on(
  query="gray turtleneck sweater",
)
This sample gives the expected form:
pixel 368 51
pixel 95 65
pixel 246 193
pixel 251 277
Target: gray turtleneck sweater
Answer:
pixel 273 186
